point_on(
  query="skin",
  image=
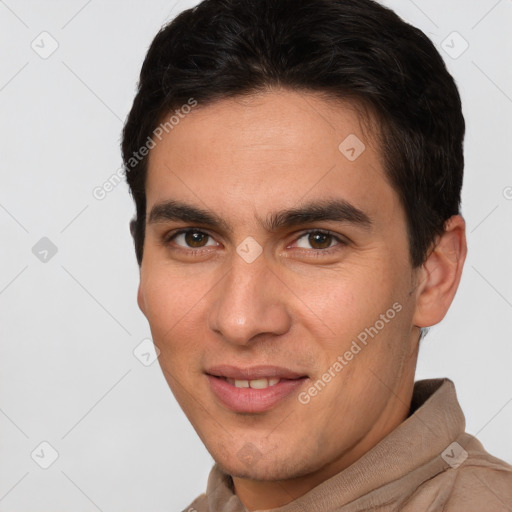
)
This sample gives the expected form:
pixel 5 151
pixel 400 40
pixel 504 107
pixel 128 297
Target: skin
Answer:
pixel 298 305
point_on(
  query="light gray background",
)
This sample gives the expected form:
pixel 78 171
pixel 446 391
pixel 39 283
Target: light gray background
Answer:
pixel 68 375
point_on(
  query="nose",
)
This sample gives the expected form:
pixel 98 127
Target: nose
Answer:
pixel 249 301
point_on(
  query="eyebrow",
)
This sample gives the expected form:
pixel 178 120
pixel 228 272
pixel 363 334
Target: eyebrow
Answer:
pixel 337 210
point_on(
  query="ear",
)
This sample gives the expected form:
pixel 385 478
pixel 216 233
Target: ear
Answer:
pixel 132 227
pixel 439 276
pixel 140 299
pixel 140 295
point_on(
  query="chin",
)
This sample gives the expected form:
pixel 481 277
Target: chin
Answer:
pixel 258 472
pixel 249 464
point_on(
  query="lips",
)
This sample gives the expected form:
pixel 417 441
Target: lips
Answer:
pixel 255 389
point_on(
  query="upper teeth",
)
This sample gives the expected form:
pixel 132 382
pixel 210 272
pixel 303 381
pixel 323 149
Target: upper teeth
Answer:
pixel 255 384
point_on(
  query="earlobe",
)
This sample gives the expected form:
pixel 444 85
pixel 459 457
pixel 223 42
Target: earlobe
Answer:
pixel 440 274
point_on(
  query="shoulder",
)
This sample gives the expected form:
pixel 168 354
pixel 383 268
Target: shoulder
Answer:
pixel 477 482
pixel 483 484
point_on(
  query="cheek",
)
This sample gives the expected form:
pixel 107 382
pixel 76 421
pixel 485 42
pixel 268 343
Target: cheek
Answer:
pixel 173 306
pixel 338 304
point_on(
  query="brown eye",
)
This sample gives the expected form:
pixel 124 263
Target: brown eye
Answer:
pixel 192 238
pixel 196 238
pixel 319 240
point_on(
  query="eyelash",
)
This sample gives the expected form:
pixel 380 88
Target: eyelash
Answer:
pixel 167 239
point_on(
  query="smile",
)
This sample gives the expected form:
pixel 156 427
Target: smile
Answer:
pixel 253 390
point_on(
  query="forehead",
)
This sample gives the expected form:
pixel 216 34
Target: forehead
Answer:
pixel 279 119
pixel 270 149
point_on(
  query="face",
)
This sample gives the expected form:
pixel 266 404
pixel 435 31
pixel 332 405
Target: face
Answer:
pixel 273 254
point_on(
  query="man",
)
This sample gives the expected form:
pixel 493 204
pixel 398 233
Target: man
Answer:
pixel 296 167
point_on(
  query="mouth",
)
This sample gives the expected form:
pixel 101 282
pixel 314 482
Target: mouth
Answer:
pixel 254 372
pixel 253 390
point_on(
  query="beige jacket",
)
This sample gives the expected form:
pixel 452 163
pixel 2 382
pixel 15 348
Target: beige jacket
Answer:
pixel 427 464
